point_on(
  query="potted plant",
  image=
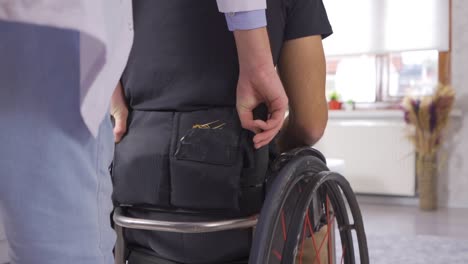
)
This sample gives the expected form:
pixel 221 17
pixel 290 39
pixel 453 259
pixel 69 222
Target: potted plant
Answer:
pixel 349 105
pixel 334 102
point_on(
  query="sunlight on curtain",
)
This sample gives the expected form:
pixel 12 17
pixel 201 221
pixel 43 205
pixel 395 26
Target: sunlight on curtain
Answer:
pixel 384 26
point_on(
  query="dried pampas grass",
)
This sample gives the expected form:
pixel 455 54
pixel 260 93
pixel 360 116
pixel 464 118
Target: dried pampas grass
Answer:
pixel 429 116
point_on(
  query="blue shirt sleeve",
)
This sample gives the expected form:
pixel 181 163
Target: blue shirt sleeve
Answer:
pixel 246 20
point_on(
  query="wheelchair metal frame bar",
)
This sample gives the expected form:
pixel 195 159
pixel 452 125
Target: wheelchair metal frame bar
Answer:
pixel 182 227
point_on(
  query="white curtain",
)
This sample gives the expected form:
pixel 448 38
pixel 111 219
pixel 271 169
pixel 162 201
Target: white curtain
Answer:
pixel 383 26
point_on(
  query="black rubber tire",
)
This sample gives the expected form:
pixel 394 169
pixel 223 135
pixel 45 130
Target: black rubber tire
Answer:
pixel 332 182
pixel 313 170
pixel 334 191
pixel 358 223
pixel 293 171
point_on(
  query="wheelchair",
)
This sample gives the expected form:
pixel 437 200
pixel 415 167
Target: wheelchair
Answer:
pixel 303 199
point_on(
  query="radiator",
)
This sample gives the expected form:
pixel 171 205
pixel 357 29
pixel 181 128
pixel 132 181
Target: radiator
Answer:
pixel 378 157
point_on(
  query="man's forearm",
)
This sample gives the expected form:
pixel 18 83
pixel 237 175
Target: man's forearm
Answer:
pixel 295 134
pixel 258 80
pixel 253 47
pixel 291 137
pixel 258 83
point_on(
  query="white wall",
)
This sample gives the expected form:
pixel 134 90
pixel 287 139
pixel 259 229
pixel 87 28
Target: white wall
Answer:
pixel 453 180
pixel 375 150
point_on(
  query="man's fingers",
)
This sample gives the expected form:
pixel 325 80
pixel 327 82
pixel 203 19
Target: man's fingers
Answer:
pixel 118 135
pixel 270 129
pixel 274 121
pixel 265 137
pixel 263 143
pixel 257 88
pixel 119 111
pixel 278 113
pixel 262 124
pixel 246 119
pixel 120 128
pixel 248 124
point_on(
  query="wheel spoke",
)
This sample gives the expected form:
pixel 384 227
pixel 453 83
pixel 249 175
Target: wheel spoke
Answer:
pixel 329 227
pixel 342 255
pixel 289 218
pixel 301 252
pixel 326 236
pixel 283 224
pixel 311 231
pixel 277 254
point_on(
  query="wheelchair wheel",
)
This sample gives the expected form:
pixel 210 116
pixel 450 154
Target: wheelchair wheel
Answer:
pixel 309 217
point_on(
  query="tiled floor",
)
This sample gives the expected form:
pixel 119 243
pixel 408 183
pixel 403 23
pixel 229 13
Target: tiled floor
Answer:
pixel 404 234
pixel 409 220
pixel 443 233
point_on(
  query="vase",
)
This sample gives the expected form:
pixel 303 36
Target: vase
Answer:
pixel 426 171
pixel 334 105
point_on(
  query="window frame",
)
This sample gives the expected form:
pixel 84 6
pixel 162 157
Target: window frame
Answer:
pixel 382 86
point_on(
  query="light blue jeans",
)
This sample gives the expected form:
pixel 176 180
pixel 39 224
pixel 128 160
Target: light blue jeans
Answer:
pixel 55 187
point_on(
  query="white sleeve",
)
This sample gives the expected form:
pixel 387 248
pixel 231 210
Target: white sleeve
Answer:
pixel 228 6
pixel 106 36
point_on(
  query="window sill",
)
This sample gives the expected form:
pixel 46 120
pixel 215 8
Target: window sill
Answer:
pixel 375 114
pixel 365 114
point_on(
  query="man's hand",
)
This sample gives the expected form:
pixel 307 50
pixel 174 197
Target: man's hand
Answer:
pixel 254 88
pixel 259 83
pixel 119 111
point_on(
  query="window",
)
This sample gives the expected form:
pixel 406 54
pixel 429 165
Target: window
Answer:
pixel 382 78
pixel 353 78
pixel 386 26
pixel 382 49
pixel 412 72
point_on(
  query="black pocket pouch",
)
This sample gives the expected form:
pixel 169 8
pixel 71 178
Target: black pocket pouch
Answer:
pixel 141 161
pixel 207 162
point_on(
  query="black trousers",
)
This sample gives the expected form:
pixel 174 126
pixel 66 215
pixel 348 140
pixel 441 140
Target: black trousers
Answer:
pixel 142 257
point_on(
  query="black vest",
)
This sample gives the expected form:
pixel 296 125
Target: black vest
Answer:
pixel 182 73
pixel 184 58
pixel 185 150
